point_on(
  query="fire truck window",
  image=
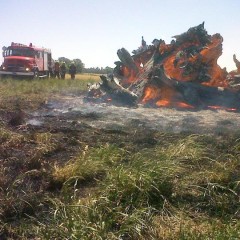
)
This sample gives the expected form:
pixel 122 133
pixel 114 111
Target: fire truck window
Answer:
pixel 16 52
pixel 38 54
pixel 28 53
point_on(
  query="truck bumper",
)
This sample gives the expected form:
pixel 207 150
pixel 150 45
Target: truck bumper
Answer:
pixel 16 73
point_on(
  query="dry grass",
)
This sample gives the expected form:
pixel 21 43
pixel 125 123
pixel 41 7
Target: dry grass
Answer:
pixel 177 191
pixel 32 93
pixel 69 183
pixel 87 77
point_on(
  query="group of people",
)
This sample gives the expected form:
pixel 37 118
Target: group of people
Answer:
pixel 59 70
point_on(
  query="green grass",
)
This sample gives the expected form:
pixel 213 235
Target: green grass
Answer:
pixel 182 190
pixel 179 191
pixel 29 93
pixel 180 187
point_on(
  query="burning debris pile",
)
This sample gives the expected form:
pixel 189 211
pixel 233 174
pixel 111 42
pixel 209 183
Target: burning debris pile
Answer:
pixel 182 74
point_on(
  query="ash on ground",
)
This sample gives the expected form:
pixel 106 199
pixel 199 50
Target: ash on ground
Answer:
pixel 110 117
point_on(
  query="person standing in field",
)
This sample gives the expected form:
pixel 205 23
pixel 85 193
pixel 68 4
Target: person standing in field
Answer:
pixel 63 70
pixel 72 70
pixel 57 70
pixel 51 68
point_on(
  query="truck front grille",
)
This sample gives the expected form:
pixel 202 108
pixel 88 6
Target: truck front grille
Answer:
pixel 15 67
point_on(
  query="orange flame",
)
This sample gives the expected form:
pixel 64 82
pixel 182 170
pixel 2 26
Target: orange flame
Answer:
pixel 184 105
pixel 222 108
pixel 150 93
pixel 163 103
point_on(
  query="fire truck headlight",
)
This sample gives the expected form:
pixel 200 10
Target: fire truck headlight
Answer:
pixel 27 69
pixel 3 68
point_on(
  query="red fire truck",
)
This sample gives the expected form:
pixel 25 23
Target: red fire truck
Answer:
pixel 26 60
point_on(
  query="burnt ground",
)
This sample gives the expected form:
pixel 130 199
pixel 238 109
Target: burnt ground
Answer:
pixel 106 117
pixel 34 142
pixel 62 128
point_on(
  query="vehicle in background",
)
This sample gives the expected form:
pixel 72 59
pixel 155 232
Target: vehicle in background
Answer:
pixel 25 60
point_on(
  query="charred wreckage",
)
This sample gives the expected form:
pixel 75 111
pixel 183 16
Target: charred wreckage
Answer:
pixel 183 74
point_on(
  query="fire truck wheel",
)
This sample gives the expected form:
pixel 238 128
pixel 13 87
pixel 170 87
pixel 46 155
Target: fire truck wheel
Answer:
pixel 36 74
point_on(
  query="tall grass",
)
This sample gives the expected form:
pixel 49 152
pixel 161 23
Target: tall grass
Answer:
pixel 164 193
pixel 32 92
pixel 183 187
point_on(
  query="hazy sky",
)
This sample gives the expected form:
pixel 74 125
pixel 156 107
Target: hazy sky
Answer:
pixel 94 30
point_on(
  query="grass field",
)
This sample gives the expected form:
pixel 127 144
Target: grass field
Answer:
pixel 86 77
pixel 76 182
pixel 33 92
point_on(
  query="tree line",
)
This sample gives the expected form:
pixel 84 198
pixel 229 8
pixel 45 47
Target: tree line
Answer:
pixel 81 67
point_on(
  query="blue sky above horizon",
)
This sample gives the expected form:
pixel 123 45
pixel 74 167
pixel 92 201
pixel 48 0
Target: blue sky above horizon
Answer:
pixel 94 30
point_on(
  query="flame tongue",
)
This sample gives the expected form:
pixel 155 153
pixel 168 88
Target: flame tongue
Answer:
pixel 222 108
pixel 163 103
pixel 184 105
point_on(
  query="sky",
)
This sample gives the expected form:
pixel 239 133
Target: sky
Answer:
pixel 93 30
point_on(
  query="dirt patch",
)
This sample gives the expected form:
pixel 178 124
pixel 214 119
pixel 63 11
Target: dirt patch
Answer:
pixel 73 110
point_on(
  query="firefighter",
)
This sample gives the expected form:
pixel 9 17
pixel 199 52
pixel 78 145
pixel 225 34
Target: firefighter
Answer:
pixel 57 70
pixel 72 70
pixel 51 69
pixel 63 70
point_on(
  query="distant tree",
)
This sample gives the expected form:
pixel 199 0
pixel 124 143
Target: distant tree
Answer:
pixel 79 65
pixel 64 59
pixel 78 62
pixel 108 69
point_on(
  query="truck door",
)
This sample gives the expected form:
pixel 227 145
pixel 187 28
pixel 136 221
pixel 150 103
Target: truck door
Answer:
pixel 39 60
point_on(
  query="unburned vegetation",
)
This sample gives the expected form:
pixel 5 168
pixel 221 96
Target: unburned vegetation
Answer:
pixel 68 180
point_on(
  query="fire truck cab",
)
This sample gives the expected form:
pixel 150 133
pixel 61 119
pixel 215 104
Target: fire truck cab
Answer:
pixel 26 60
